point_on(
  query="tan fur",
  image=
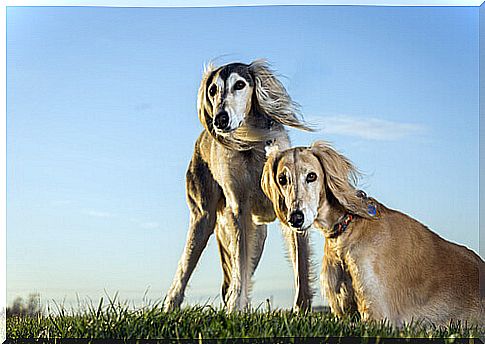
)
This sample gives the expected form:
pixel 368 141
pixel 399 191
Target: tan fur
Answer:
pixel 223 177
pixel 386 267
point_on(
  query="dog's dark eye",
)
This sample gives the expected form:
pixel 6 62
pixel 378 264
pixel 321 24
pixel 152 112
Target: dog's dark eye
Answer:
pixel 311 177
pixel 282 179
pixel 212 90
pixel 239 85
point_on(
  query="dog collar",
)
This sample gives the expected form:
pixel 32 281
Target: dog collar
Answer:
pixel 341 226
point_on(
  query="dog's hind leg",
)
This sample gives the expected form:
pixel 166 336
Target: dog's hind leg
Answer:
pixel 256 237
pixel 260 238
pixel 299 250
pixel 203 195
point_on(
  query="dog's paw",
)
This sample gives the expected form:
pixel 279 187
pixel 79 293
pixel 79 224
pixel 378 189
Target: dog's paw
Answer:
pixel 301 309
pixel 302 305
pixel 172 303
pixel 237 303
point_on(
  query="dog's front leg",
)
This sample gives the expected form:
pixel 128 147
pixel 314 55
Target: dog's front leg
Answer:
pixel 203 195
pixel 239 290
pixel 299 250
pixel 336 284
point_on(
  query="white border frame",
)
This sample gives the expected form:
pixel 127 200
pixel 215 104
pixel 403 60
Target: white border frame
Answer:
pixel 142 3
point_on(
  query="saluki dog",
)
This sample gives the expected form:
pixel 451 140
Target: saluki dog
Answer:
pixel 243 108
pixel 378 262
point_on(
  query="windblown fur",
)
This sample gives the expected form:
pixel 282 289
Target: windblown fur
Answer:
pixel 243 109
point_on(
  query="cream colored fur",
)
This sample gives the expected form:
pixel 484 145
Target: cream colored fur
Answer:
pixel 223 191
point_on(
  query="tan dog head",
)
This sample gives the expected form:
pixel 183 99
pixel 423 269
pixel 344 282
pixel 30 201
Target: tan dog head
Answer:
pixel 306 183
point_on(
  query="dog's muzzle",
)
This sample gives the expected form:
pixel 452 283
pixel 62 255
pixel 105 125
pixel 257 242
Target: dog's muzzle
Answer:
pixel 297 219
pixel 221 121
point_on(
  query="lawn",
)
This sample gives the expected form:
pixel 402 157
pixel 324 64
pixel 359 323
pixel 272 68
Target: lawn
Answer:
pixel 112 319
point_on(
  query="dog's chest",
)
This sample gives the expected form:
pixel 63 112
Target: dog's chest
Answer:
pixel 238 173
pixel 236 167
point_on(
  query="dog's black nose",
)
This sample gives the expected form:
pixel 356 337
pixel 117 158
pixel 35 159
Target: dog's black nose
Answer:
pixel 296 219
pixel 222 120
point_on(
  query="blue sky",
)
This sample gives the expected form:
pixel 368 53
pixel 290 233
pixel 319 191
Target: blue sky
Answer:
pixel 101 122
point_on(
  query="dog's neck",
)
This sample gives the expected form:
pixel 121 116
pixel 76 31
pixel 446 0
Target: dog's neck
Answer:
pixel 330 213
pixel 261 128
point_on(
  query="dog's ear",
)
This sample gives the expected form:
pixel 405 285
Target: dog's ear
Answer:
pixel 268 184
pixel 204 108
pixel 269 187
pixel 272 99
pixel 340 178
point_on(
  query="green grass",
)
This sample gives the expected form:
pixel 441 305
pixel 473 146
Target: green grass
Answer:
pixel 117 320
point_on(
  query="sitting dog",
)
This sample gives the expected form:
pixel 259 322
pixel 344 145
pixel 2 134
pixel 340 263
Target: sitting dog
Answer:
pixel 244 108
pixel 378 262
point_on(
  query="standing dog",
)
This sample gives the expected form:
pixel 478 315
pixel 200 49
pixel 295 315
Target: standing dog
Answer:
pixel 377 261
pixel 243 109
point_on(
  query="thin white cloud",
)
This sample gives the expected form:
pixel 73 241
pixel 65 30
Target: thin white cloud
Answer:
pixel 101 214
pixel 369 128
pixel 60 203
pixel 145 224
pixel 150 225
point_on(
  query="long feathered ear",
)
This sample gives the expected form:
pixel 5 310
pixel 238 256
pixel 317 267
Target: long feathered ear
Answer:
pixel 203 107
pixel 340 178
pixel 269 187
pixel 272 98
